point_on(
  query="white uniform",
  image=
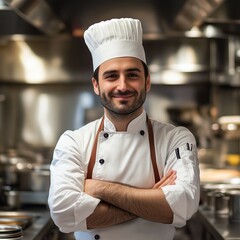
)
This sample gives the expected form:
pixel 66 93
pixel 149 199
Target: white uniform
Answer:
pixel 123 157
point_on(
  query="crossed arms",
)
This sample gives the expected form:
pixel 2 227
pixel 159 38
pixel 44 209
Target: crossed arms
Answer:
pixel 121 203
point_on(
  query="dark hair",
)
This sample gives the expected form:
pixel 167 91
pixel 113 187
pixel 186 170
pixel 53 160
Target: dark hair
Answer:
pixel 146 71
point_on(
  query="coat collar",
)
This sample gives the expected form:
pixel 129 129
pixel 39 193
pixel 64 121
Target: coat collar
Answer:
pixel 137 124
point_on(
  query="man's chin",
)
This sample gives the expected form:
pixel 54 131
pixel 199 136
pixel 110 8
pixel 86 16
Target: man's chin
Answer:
pixel 124 111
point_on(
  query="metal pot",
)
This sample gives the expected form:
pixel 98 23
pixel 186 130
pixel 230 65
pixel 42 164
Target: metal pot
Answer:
pixel 9 168
pixel 221 202
pixel 208 192
pixel 227 127
pixel 234 205
pixel 12 199
pixel 36 179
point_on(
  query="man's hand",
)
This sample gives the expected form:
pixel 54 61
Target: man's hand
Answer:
pixel 92 186
pixel 169 179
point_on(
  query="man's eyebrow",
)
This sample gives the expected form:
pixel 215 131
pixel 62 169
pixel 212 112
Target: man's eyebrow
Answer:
pixel 133 70
pixel 127 70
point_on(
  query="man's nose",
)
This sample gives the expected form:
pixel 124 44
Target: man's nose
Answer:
pixel 122 83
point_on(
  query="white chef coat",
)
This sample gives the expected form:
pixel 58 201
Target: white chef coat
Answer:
pixel 123 157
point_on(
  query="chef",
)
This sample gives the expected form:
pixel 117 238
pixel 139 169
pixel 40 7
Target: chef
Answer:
pixel 124 176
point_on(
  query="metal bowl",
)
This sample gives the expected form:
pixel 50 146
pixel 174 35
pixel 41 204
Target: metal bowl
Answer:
pixel 13 232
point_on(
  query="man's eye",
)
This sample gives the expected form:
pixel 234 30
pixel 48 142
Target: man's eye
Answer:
pixel 111 76
pixel 132 75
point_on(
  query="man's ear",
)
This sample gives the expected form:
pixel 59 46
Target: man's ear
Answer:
pixel 95 86
pixel 148 84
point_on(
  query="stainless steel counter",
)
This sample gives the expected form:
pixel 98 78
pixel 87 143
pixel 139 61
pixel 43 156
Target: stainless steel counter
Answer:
pixel 219 228
pixel 40 227
pixel 39 224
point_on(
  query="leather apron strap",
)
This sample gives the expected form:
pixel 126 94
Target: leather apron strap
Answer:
pixel 94 150
pixel 151 144
pixel 152 150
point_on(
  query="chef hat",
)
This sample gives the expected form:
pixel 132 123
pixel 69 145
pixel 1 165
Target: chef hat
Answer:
pixel 115 38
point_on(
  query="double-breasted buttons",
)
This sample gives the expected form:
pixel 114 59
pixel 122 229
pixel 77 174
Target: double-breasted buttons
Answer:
pixel 142 132
pixel 101 161
pixel 106 135
pixel 96 237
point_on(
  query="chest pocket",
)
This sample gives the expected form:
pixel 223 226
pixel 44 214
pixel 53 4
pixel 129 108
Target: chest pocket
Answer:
pixel 124 157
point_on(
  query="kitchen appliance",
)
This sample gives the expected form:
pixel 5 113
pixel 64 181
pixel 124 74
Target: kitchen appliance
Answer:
pixel 25 179
pixel 234 205
pixel 221 203
pixel 226 141
pixel 214 196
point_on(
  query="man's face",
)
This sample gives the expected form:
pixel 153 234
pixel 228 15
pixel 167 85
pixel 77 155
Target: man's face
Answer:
pixel 122 85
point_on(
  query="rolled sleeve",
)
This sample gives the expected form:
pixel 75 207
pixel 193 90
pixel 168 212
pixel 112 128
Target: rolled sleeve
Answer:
pixel 176 199
pixel 183 197
pixel 84 207
pixel 69 205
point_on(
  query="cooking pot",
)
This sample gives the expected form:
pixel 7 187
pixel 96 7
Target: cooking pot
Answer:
pixel 209 190
pixel 24 172
pixel 12 199
pixel 10 166
pixel 221 201
pixel 35 179
pixel 234 205
pixel 227 127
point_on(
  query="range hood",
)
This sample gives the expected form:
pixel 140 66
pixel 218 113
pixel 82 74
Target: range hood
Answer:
pixel 52 17
pixel 181 59
pixel 38 13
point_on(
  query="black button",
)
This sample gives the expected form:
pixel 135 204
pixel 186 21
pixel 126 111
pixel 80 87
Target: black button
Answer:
pixel 97 236
pixel 105 135
pixel 101 161
pixel 142 132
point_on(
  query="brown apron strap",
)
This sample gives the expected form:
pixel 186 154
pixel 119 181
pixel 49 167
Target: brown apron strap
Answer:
pixel 94 151
pixel 151 144
pixel 152 150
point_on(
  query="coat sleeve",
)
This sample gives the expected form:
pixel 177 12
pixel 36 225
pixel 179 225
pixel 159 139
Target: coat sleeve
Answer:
pixel 69 205
pixel 183 197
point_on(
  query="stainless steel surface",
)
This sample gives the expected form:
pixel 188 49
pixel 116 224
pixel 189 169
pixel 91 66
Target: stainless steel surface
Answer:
pixel 214 17
pixel 227 127
pixel 34 180
pixel 221 201
pixel 39 14
pixel 178 60
pixel 15 24
pixel 2 99
pixel 195 12
pixel 218 228
pixel 40 59
pixel 12 199
pixel 12 164
pixel 46 112
pixel 64 59
pixel 33 198
pixel 10 232
pixel 157 16
pixel 1 185
pixel 213 196
pixel 234 205
pixel 40 222
pixel 226 134
pixel 164 17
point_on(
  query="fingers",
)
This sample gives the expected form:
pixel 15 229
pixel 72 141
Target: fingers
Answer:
pixel 168 179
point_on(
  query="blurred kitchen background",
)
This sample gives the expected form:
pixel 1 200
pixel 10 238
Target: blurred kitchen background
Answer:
pixel 193 53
